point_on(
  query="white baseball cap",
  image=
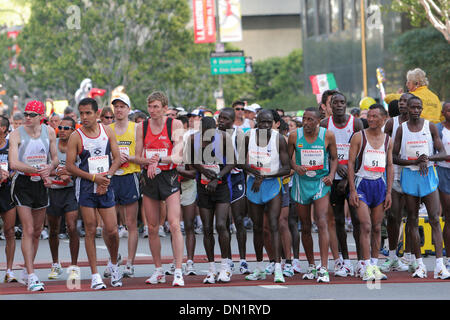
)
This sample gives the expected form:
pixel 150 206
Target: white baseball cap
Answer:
pixel 253 107
pixel 124 98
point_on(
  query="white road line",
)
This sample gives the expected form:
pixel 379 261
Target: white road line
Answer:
pixel 274 287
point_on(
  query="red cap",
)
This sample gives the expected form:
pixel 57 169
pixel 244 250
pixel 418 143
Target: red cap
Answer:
pixel 35 106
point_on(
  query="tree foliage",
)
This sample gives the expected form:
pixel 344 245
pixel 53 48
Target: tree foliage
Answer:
pixel 427 49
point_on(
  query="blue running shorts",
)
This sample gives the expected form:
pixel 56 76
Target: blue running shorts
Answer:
pixel 268 190
pixel 416 185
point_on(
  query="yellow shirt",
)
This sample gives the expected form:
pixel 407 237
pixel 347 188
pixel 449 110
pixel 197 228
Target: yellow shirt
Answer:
pixel 430 102
pixel 127 144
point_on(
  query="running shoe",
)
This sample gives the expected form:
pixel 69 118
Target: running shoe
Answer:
pixel 199 229
pixel 224 275
pixel 171 270
pixel 210 278
pixel 10 277
pixel 116 276
pixel 63 236
pixel 288 270
pixel 348 267
pixel 182 227
pixel 107 272
pixel 44 234
pixel 369 274
pixel 233 229
pixel 278 277
pixel 384 252
pixel 359 270
pixel 178 280
pixel 256 275
pixel 441 273
pixel 270 268
pixel 157 277
pixel 56 271
pixel 412 266
pixel 161 232
pixel 129 271
pixel 18 232
pixel 339 270
pixel 24 276
pixel 243 268
pixel 189 270
pixel 34 284
pixel 145 233
pixel 231 265
pixel 323 275
pixel 421 272
pixel 74 273
pixel 378 274
pixel 393 265
pixel 97 282
pixel 447 265
pixel 98 232
pixel 314 228
pixel 123 233
pixel 2 236
pixel 296 266
pixel 311 273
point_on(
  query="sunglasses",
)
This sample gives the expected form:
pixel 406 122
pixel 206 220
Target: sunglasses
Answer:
pixel 31 115
pixel 65 128
pixel 239 109
pixel 108 117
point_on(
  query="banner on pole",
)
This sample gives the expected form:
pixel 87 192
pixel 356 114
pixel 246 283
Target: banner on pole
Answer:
pixel 230 20
pixel 204 21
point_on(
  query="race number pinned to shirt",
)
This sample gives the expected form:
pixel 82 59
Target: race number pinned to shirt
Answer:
pixel 124 150
pixel 36 161
pixel 312 159
pixel 213 167
pixel 260 161
pixel 99 164
pixel 149 153
pixel 414 149
pixel 342 152
pixel 4 166
pixel 375 160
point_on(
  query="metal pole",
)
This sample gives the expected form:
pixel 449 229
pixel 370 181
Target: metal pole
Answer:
pixel 363 47
pixel 218 41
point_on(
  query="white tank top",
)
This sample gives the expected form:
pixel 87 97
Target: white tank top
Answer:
pixel 34 151
pixel 235 170
pixel 265 159
pixel 343 135
pixel 395 125
pixel 373 164
pixel 415 144
pixel 446 143
pixel 245 124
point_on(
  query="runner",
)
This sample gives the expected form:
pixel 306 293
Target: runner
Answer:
pixel 315 166
pixel 160 140
pixel 370 177
pixel 225 123
pixel 266 162
pixel 63 203
pixel 414 147
pixel 394 215
pixel 91 147
pixel 32 153
pixel 7 207
pixel 240 121
pixel 125 182
pixel 343 126
pixel 213 167
pixel 443 170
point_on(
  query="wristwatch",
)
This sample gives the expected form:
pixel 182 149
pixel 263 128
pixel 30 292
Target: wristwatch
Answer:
pixel 109 176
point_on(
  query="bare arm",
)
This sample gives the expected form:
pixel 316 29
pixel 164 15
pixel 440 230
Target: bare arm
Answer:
pixel 438 145
pixel 389 127
pixel 284 159
pixel 114 151
pixel 330 141
pixel 355 144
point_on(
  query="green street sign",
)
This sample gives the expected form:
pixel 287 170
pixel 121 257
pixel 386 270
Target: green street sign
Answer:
pixel 227 65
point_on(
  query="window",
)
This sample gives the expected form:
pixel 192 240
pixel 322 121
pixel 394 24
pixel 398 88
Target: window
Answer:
pixel 310 17
pixel 334 15
pixel 347 14
pixel 357 14
pixel 322 10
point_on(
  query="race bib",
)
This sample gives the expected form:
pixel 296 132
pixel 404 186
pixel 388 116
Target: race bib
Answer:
pixel 212 167
pixel 99 164
pixel 36 161
pixel 414 149
pixel 342 152
pixel 312 159
pixel 375 160
pixel 4 166
pixel 149 153
pixel 447 149
pixel 260 161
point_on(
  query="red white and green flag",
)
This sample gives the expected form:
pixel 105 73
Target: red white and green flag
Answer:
pixel 322 82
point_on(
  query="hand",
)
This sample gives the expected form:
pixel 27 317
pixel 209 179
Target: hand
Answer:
pixel 102 181
pixel 3 175
pixel 44 170
pixel 328 180
pixel 151 170
pixel 212 186
pixel 354 199
pixel 387 201
pixel 47 182
pixel 342 170
pixel 62 171
pixel 154 159
pixel 423 168
pixel 101 190
pixel 257 184
pixel 209 174
pixel 66 178
pixel 124 158
pixel 301 170
pixel 341 186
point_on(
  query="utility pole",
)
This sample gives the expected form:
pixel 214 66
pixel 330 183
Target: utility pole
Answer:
pixel 363 47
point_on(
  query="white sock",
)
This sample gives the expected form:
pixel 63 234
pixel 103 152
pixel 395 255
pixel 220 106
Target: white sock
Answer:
pixel 177 271
pixel 367 263
pixel 419 261
pixel 413 257
pixel 212 267
pixel 278 266
pixel 439 262
pixel 242 260
pixel 295 261
pixel 347 261
pixel 340 257
pixel 160 270
pixel 407 256
pixel 392 255
pixel 260 266
pixel 374 261
pixel 283 261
